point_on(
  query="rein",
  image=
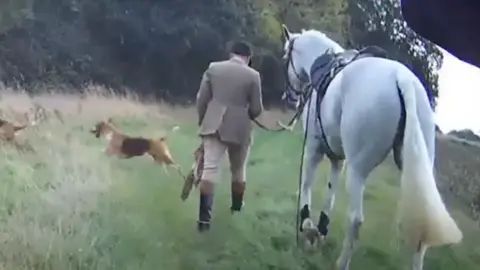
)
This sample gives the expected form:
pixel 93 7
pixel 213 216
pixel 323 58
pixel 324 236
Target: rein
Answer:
pixel 305 96
pixel 297 215
pixel 282 128
pixel 289 126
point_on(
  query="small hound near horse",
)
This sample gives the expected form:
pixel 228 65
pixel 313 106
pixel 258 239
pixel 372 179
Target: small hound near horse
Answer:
pixel 124 146
pixel 361 107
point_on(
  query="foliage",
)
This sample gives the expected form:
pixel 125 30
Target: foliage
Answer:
pixel 381 23
pixel 151 47
pixel 466 134
pixel 160 48
pixel 120 43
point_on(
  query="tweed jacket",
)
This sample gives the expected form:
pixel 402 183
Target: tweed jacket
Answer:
pixel 228 98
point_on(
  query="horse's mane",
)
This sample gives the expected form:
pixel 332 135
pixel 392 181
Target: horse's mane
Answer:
pixel 312 31
pixel 316 33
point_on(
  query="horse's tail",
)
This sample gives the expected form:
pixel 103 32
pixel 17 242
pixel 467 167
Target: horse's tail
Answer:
pixel 423 214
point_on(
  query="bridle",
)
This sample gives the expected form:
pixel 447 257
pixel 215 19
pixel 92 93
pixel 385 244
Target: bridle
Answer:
pixel 303 94
pixel 289 63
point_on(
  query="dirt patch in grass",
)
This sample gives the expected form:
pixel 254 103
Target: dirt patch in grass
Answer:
pixel 458 172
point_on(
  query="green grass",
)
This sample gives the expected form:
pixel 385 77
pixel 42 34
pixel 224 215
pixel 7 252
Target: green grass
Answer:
pixel 68 206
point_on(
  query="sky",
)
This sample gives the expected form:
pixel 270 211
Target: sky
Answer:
pixel 459 95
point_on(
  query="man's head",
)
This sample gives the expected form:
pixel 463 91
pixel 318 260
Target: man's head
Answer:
pixel 242 50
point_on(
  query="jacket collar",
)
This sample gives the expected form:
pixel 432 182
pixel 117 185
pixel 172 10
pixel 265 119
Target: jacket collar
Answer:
pixel 238 60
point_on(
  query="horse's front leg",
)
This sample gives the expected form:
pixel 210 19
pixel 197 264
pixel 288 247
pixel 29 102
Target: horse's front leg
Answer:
pixel 311 160
pixel 336 167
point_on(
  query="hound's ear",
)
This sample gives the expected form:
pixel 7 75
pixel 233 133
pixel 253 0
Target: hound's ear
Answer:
pixel 286 33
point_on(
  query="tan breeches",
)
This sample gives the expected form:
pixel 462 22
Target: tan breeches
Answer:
pixel 215 150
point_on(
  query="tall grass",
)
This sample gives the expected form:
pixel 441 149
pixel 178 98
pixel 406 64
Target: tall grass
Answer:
pixel 50 198
pixel 69 206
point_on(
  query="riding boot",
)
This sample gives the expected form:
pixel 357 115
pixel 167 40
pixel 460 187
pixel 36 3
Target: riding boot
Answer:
pixel 205 206
pixel 237 191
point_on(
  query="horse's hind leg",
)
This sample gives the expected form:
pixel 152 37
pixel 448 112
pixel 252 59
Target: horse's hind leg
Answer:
pixel 355 184
pixel 310 162
pixel 336 167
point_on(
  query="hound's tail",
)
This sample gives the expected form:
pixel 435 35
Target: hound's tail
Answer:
pixel 422 211
pixel 173 130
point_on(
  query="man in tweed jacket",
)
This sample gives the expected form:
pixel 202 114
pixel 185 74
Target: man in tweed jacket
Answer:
pixel 228 99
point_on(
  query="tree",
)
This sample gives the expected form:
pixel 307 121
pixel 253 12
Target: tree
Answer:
pixel 380 22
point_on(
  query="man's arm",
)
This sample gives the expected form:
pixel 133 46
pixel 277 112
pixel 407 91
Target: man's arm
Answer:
pixel 256 104
pixel 204 95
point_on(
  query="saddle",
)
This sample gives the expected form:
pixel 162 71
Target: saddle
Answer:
pixel 328 65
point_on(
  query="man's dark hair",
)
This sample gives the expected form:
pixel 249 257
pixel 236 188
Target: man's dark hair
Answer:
pixel 241 48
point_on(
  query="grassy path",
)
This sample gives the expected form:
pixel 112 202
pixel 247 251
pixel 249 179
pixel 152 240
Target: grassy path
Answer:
pixel 71 207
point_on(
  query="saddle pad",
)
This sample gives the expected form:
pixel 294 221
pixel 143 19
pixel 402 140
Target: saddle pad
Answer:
pixel 373 51
pixel 321 67
pixel 328 65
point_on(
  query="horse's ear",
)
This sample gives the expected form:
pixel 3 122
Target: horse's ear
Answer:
pixel 110 120
pixel 286 32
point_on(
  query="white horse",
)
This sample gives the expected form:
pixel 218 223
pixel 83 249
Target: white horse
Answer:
pixel 360 115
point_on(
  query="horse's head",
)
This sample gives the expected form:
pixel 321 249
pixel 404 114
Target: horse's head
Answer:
pixel 300 50
pixel 294 74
